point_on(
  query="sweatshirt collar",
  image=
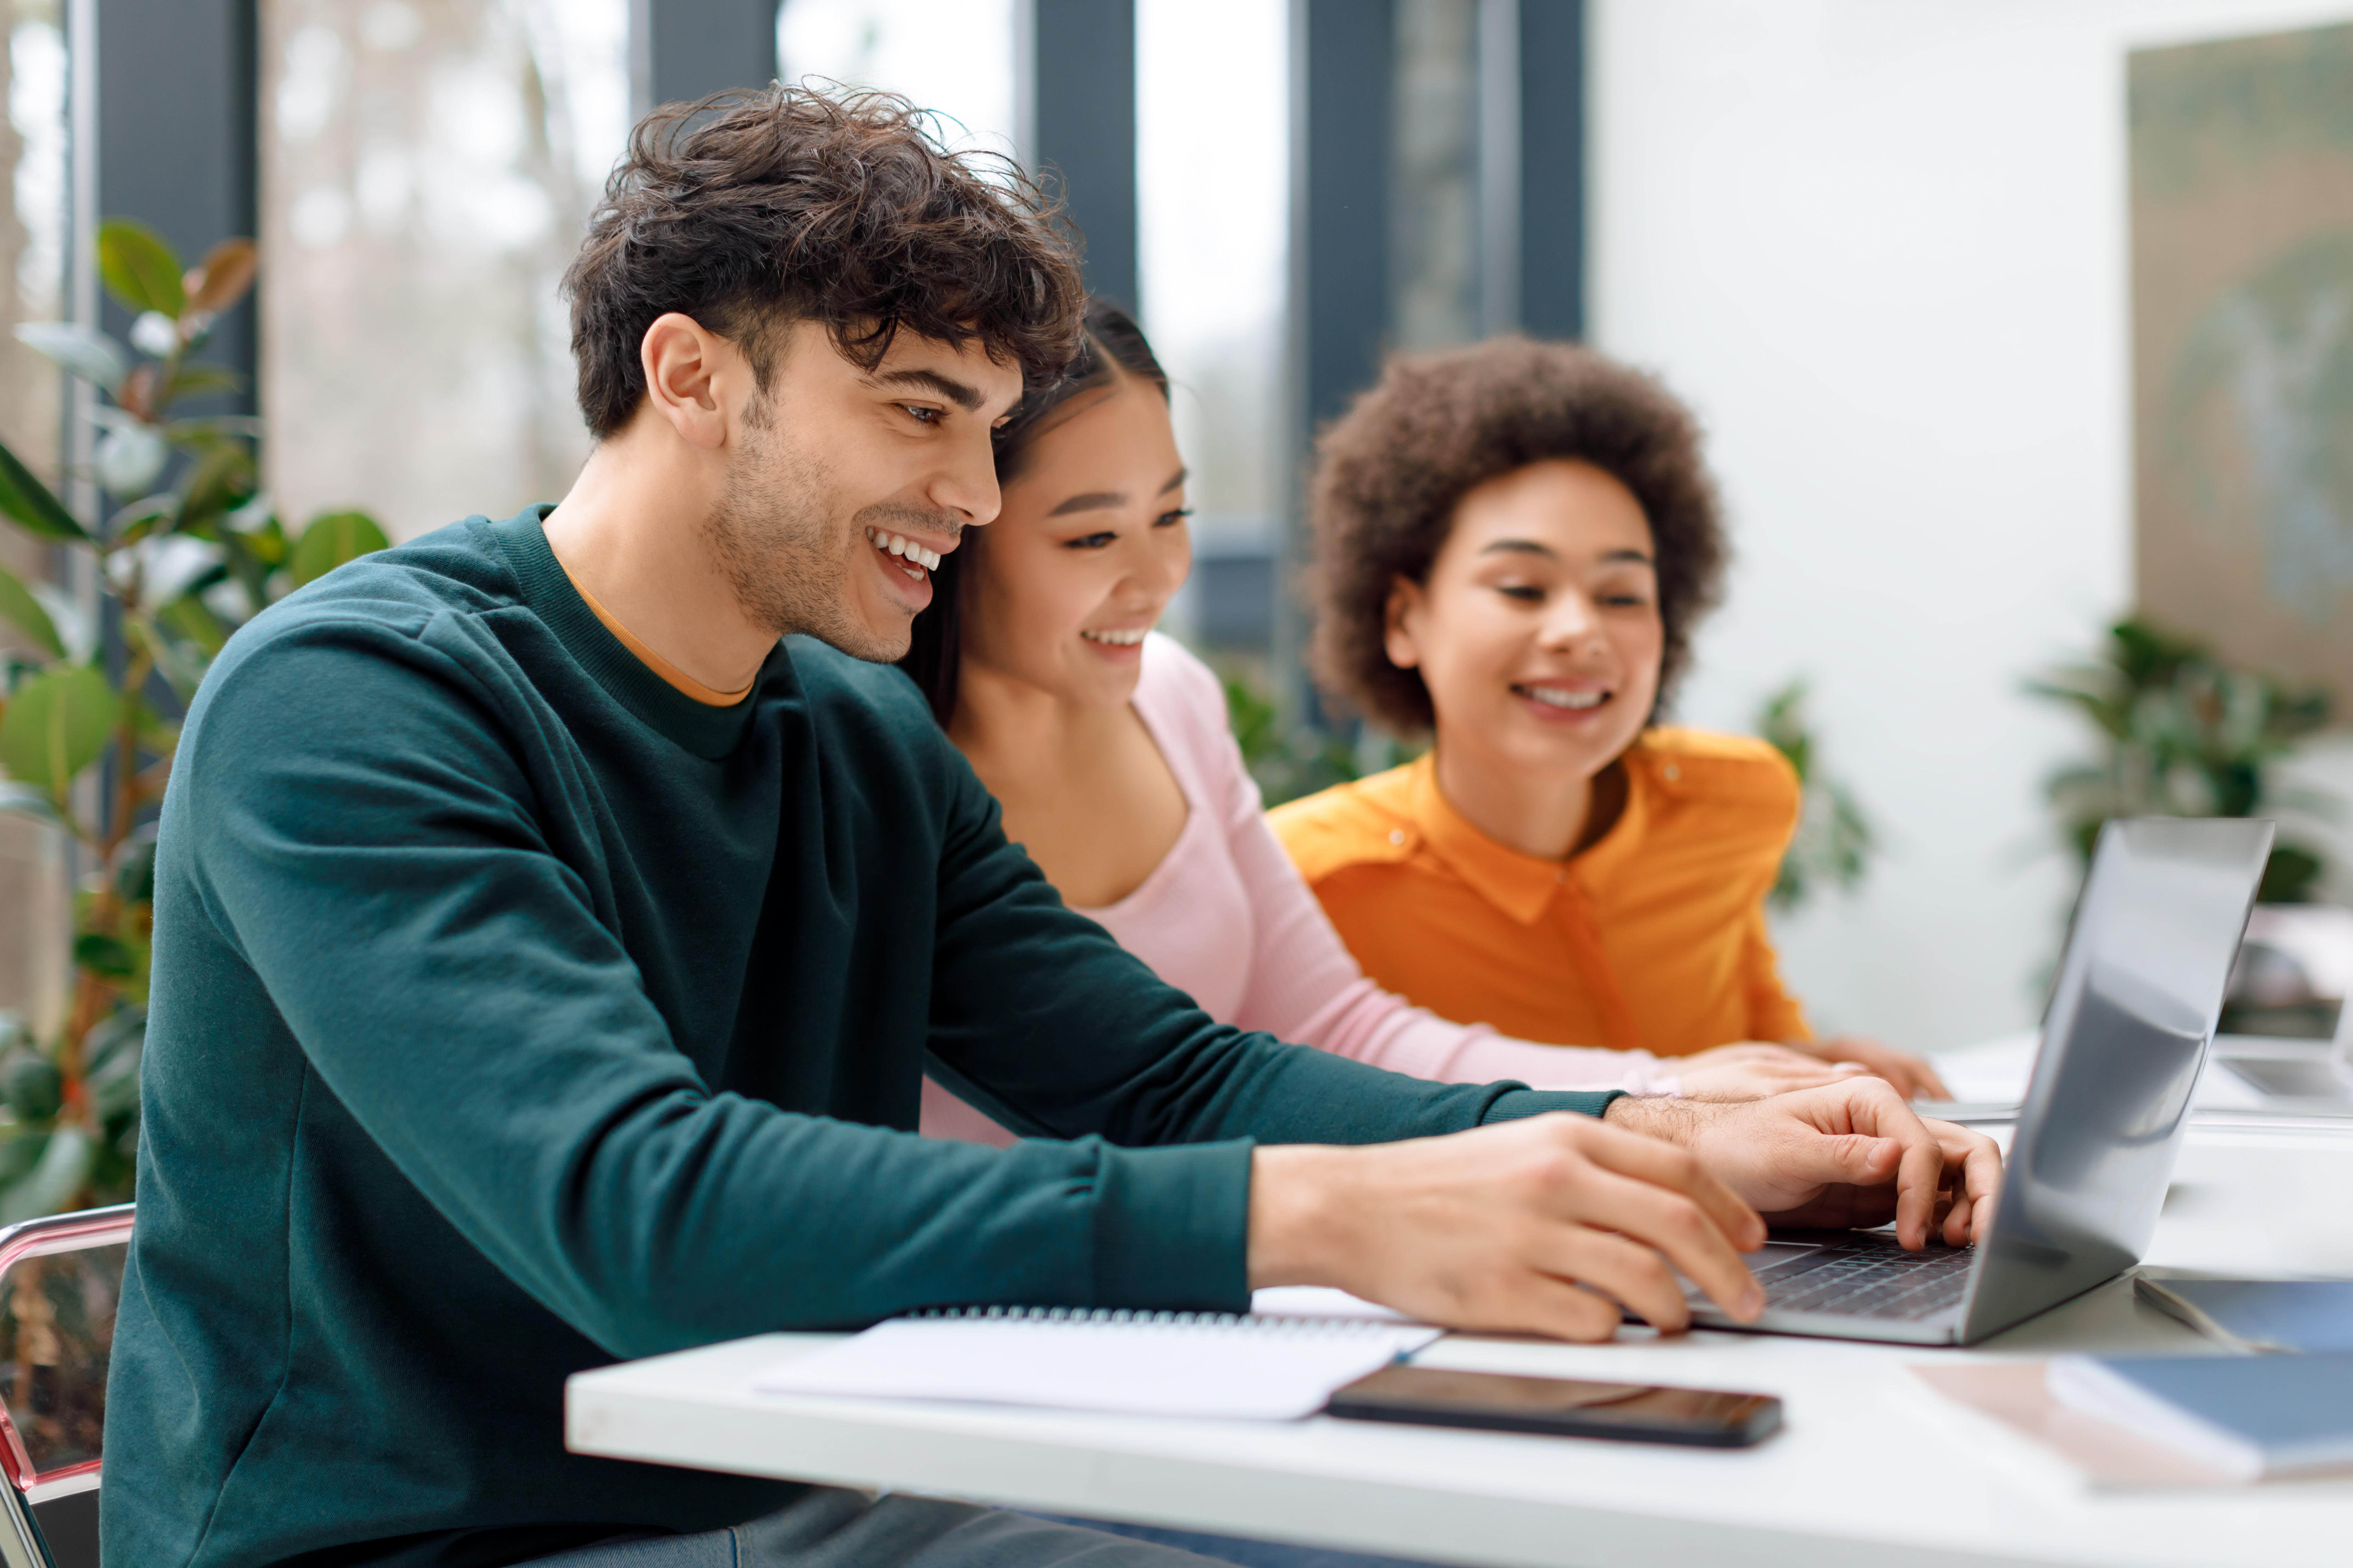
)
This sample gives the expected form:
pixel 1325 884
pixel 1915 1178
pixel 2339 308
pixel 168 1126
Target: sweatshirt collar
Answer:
pixel 707 732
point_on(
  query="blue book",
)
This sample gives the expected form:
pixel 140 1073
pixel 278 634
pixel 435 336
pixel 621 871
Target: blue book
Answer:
pixel 2251 1416
pixel 2306 1315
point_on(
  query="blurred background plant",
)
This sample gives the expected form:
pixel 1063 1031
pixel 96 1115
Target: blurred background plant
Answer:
pixel 1834 843
pixel 2180 733
pixel 1292 761
pixel 184 549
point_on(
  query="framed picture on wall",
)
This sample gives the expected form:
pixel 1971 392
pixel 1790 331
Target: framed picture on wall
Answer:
pixel 2242 187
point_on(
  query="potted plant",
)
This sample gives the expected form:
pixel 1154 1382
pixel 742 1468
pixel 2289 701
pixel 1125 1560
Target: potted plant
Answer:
pixel 2181 733
pixel 1834 841
pixel 186 548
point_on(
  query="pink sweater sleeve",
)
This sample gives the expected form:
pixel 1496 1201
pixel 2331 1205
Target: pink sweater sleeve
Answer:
pixel 1305 987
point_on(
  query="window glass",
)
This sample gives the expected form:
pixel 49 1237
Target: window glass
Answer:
pixel 952 57
pixel 1213 124
pixel 33 220
pixel 428 167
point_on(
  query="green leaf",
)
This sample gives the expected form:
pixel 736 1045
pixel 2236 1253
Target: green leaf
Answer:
pixel 29 504
pixel 30 1084
pixel 149 514
pixel 19 606
pixel 191 379
pixel 20 1150
pixel 54 1182
pixel 134 870
pixel 56 725
pixel 111 1054
pixel 223 478
pixel 333 539
pixel 190 435
pixel 103 954
pixel 139 268
pixel 123 1029
pixel 181 664
pixel 81 350
pixel 192 618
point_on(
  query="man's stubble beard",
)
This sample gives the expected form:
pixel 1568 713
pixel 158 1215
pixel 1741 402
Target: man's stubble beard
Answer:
pixel 772 537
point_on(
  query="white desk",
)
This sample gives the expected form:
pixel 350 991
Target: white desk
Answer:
pixel 1868 1461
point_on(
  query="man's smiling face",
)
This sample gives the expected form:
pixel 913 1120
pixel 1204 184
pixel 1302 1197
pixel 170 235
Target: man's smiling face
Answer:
pixel 846 484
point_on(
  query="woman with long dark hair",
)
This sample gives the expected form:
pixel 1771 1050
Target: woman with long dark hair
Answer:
pixel 1108 747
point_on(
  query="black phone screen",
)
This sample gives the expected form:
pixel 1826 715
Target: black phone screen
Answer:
pixel 1630 1411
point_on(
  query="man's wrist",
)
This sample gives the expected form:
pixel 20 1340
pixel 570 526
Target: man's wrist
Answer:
pixel 1672 1119
pixel 1297 1213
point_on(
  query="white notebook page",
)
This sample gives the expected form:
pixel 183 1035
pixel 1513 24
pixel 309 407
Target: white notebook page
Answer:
pixel 1246 1368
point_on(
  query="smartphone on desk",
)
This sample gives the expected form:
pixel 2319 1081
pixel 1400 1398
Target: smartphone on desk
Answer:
pixel 1629 1412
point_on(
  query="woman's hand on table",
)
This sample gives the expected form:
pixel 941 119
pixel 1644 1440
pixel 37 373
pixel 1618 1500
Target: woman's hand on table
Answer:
pixel 1913 1077
pixel 1752 1069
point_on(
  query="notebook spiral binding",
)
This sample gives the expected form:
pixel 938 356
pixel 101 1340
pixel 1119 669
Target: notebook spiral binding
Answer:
pixel 1147 1316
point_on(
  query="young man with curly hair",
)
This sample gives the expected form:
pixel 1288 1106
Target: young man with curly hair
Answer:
pixel 556 916
pixel 1514 542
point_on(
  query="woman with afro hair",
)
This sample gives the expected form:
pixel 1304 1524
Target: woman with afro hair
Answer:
pixel 1514 543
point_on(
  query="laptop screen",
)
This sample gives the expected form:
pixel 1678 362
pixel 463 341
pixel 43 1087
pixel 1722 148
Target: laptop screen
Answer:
pixel 2138 992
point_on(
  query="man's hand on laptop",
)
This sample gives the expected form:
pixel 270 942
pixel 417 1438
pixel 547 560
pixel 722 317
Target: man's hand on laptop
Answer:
pixel 1487 1229
pixel 1849 1153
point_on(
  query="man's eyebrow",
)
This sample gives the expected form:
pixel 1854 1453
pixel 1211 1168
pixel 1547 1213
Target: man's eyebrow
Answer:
pixel 967 398
pixel 1175 480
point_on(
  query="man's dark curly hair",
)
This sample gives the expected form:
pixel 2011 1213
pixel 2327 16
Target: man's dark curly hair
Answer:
pixel 1391 471
pixel 750 210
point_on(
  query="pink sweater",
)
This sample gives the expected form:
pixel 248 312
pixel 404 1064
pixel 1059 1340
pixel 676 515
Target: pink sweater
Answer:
pixel 1226 918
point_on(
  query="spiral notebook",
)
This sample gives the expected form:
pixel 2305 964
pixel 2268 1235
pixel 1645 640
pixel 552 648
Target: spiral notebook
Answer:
pixel 1204 1365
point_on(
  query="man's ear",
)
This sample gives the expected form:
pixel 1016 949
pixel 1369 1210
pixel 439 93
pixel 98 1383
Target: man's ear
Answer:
pixel 1406 606
pixel 683 361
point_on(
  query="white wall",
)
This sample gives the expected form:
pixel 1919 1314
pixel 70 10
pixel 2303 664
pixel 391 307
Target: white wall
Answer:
pixel 1880 245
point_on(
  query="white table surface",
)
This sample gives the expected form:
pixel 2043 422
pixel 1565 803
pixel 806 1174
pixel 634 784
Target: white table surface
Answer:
pixel 1870 1468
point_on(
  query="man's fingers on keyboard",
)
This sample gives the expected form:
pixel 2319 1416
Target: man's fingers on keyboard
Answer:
pixel 1630 1274
pixel 1678 1228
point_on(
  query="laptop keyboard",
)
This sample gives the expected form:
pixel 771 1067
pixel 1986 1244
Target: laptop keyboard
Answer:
pixel 1905 1286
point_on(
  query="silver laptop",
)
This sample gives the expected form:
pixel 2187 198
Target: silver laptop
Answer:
pixel 2133 1011
pixel 2312 1076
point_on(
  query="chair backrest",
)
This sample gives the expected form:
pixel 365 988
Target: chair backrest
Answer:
pixel 60 1279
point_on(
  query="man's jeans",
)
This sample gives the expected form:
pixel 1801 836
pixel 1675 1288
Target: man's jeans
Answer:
pixel 831 1527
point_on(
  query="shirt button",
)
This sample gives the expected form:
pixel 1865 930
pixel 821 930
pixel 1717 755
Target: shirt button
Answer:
pixel 1397 835
pixel 1561 875
pixel 1673 773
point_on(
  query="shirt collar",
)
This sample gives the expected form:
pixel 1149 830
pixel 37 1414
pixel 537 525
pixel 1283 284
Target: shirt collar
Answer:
pixel 1522 886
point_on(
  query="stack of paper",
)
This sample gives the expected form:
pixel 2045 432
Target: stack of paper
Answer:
pixel 1242 1368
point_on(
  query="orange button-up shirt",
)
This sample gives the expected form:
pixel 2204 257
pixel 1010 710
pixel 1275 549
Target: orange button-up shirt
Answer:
pixel 1653 937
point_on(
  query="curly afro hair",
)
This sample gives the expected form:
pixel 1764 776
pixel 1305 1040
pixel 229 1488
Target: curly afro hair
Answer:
pixel 1391 471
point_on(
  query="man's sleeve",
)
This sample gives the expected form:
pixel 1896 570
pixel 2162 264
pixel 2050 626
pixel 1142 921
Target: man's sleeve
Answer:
pixel 1043 1020
pixel 360 826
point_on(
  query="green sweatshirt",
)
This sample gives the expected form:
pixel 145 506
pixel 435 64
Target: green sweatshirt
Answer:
pixel 512 1013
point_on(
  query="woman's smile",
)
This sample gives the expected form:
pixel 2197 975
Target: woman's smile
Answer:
pixel 1557 702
